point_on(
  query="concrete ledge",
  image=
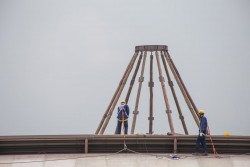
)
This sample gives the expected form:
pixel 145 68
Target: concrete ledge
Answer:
pixel 122 160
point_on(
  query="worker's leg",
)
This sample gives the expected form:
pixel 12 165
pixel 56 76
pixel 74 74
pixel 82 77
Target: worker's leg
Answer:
pixel 119 126
pixel 126 127
pixel 198 141
pixel 203 142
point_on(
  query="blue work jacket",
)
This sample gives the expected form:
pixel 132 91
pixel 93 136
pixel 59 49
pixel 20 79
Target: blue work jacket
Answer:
pixel 125 108
pixel 203 125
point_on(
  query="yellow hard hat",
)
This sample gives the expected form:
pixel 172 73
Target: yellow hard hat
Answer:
pixel 123 101
pixel 201 111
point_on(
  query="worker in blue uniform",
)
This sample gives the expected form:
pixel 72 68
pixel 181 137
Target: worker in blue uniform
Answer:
pixel 201 139
pixel 122 116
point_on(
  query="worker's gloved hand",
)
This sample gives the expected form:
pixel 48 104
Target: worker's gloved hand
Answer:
pixel 202 134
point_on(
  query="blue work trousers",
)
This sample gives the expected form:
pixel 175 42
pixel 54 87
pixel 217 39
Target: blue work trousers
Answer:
pixel 201 140
pixel 119 127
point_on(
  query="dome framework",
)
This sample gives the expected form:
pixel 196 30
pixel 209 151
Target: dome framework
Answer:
pixel 161 54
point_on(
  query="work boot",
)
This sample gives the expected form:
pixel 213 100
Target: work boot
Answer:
pixel 195 154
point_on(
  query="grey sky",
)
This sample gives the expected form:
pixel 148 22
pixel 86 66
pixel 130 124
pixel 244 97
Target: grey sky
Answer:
pixel 61 61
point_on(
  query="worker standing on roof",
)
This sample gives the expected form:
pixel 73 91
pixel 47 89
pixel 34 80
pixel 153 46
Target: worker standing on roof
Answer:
pixel 122 116
pixel 201 139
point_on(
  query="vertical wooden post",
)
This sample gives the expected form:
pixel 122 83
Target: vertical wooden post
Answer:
pixel 132 82
pixel 175 145
pixel 189 97
pixel 118 95
pixel 151 85
pixel 133 78
pixel 86 148
pixel 165 94
pixel 136 112
pixel 182 89
pixel 170 83
pixel 114 96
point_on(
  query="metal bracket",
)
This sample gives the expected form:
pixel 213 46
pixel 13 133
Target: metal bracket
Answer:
pixel 151 118
pixel 161 78
pixel 141 79
pixel 169 111
pixel 170 83
pixel 181 117
pixel 136 112
pixel 150 84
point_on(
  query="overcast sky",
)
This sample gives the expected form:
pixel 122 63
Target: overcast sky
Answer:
pixel 61 62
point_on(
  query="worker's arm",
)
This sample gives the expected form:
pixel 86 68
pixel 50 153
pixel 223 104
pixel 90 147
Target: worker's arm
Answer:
pixel 203 127
pixel 128 110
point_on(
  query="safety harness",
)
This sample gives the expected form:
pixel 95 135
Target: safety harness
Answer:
pixel 122 109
